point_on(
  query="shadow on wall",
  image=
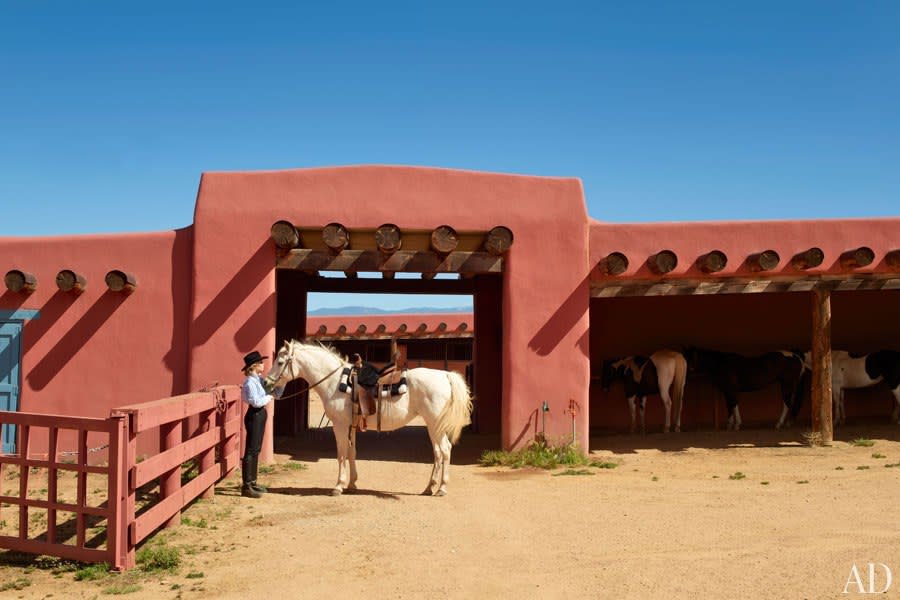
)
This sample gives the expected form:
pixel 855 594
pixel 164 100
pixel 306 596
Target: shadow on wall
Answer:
pixel 222 307
pixel 563 320
pixel 51 311
pixel 251 333
pixel 75 339
pixel 12 300
pixel 182 288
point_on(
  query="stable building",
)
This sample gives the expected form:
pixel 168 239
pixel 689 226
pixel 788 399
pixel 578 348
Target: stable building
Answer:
pixel 91 322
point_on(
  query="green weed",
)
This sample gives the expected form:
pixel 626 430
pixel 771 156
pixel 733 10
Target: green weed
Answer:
pixel 862 442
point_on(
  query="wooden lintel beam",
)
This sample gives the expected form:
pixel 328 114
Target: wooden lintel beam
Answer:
pixel 688 287
pixel 410 261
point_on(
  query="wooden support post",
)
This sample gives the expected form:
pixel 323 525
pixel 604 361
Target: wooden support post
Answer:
pixel 336 237
pixel 207 459
pixel 763 261
pixel 170 481
pixel 70 281
pixel 712 262
pixel 821 365
pixel 663 262
pixel 285 235
pixel 808 259
pixel 615 263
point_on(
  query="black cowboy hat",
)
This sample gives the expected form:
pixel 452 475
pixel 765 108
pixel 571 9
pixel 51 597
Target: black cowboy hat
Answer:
pixel 251 359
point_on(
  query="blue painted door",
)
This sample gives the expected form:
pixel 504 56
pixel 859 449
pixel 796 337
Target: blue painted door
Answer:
pixel 10 352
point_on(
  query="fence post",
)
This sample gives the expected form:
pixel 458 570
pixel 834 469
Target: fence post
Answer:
pixel 208 458
pixel 117 476
pixel 170 435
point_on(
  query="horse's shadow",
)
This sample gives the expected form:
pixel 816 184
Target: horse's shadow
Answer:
pixel 320 491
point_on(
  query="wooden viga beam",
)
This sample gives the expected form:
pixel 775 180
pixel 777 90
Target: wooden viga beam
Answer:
pixel 409 261
pixel 712 262
pixel 614 263
pixel 336 237
pixel 498 240
pixel 808 259
pixel 388 238
pixel 70 281
pixel 444 240
pixel 120 281
pixel 663 262
pixel 857 258
pixel 763 261
pixel 285 235
pixel 892 259
pixel 20 281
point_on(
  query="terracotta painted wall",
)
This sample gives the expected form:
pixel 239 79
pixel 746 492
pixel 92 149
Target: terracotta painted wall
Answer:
pixel 88 353
pixel 545 321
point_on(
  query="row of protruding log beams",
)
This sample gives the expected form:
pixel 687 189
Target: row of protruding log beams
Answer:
pixel 67 280
pixel 665 261
pixel 388 239
pixel 402 330
pixel 407 261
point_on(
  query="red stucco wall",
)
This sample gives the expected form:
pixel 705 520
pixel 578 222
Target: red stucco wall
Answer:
pixel 545 319
pixel 88 353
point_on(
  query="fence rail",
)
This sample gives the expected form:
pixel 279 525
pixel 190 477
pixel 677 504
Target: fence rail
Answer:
pixel 203 427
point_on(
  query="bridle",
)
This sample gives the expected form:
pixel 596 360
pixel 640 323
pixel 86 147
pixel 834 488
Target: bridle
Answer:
pixel 290 363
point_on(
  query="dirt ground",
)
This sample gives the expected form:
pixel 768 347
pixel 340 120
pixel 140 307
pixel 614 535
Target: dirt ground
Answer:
pixel 755 514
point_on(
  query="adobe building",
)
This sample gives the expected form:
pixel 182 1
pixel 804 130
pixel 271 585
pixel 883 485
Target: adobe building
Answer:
pixel 91 322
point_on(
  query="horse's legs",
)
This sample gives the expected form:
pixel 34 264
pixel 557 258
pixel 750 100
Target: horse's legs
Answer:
pixel 351 456
pixel 343 448
pixel 643 405
pixel 445 448
pixel 435 469
pixel 784 413
pixel 737 417
pixel 895 414
pixel 667 403
pixel 631 400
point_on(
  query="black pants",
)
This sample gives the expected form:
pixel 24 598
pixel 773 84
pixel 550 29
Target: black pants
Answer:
pixel 255 426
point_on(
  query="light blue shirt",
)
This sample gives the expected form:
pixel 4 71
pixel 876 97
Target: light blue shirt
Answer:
pixel 253 393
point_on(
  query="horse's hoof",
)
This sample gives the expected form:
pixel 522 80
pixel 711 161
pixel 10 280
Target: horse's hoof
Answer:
pixel 336 492
pixel 427 492
pixel 441 493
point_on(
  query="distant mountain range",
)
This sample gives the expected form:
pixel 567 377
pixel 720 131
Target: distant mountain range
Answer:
pixel 369 310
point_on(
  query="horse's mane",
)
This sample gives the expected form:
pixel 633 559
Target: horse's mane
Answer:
pixel 319 346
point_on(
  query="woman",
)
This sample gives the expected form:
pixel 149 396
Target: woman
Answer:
pixel 254 394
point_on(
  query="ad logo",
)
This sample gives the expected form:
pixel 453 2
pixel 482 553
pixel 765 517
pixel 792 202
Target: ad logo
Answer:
pixel 856 580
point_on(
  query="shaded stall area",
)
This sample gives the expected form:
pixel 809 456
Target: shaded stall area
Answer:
pixel 748 323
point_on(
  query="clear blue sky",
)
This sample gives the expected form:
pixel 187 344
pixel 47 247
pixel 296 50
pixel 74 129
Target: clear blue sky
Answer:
pixel 110 111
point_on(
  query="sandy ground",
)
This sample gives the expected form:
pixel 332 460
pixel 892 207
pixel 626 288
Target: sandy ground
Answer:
pixel 672 521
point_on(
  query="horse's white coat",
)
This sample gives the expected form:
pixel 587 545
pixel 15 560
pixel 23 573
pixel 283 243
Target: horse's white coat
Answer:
pixel 441 398
pixel 850 373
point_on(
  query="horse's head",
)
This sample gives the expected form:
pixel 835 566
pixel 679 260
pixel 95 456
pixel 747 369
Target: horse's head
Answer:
pixel 612 371
pixel 283 367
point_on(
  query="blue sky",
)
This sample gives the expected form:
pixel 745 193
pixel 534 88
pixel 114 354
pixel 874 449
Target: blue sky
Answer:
pixel 110 111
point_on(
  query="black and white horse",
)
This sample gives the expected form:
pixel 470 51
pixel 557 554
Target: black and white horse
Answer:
pixel 733 374
pixel 663 373
pixel 850 372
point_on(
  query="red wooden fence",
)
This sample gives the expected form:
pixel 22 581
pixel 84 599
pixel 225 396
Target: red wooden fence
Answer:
pixel 203 427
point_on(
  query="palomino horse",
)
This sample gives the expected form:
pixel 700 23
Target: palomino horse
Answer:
pixel 643 376
pixel 441 398
pixel 848 372
pixel 733 374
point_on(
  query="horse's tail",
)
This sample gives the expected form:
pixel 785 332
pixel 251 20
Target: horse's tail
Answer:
pixel 457 412
pixel 680 380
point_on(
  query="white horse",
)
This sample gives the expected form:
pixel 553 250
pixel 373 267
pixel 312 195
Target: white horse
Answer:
pixel 848 372
pixel 441 398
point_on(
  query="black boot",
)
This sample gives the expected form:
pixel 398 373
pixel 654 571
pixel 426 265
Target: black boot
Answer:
pixel 255 471
pixel 247 476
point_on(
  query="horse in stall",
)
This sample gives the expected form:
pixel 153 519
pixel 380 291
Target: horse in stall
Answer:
pixel 642 376
pixel 441 398
pixel 733 374
pixel 853 372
